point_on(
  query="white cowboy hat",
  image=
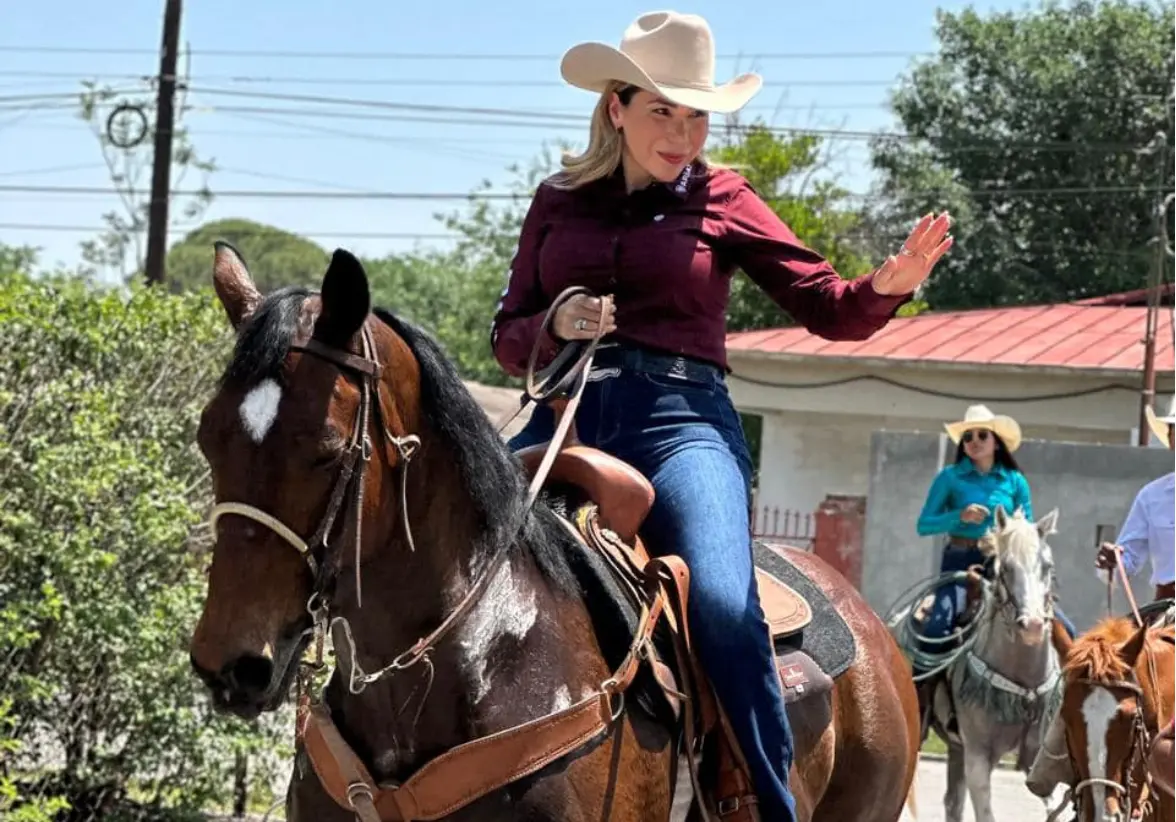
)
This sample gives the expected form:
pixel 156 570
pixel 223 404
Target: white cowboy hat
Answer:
pixel 664 52
pixel 978 416
pixel 1159 425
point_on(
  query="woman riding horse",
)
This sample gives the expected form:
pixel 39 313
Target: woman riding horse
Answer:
pixel 656 233
pixel 962 499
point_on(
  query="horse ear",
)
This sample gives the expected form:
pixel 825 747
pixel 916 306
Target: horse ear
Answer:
pixel 1061 641
pixel 1130 650
pixel 346 299
pixel 1000 517
pixel 234 286
pixel 1048 524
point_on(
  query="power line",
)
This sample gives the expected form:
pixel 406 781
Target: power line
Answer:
pixel 431 56
pixel 370 81
pixel 1061 191
pixel 387 104
pixel 580 123
pixel 360 235
pixel 51 169
pixel 421 82
pixel 393 235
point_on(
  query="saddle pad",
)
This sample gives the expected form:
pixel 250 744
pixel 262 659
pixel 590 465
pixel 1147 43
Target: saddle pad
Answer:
pixel 826 639
pixel 785 609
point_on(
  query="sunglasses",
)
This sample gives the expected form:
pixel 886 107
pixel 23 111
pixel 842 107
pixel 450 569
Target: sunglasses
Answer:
pixel 979 436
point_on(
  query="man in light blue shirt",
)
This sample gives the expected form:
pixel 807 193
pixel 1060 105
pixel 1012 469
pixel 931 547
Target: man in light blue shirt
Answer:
pixel 1148 531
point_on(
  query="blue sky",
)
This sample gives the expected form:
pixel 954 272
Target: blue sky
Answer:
pixel 820 62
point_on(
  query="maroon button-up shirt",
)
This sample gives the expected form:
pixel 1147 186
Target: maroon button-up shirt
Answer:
pixel 667 253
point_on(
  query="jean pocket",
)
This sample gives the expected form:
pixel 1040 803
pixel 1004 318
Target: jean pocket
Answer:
pixel 665 382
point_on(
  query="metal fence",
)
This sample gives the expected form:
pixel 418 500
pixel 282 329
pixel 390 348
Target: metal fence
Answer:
pixel 772 522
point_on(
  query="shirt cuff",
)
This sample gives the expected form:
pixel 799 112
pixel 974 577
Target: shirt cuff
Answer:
pixel 549 347
pixel 875 304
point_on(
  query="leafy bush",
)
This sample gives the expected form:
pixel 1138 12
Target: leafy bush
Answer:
pixel 102 499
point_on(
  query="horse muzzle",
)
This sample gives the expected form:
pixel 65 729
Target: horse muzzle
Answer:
pixel 252 683
pixel 1031 628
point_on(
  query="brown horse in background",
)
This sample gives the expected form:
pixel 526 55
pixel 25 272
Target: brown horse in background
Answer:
pixel 349 424
pixel 1118 692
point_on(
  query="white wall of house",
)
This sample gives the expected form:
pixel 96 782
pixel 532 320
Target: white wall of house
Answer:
pixel 816 441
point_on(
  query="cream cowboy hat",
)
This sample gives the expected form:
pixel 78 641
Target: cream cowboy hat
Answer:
pixel 978 416
pixel 1159 425
pixel 666 53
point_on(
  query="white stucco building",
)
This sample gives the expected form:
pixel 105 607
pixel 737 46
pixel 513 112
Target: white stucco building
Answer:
pixel 1071 372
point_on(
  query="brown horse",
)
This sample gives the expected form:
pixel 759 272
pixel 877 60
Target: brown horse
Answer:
pixel 349 424
pixel 1118 692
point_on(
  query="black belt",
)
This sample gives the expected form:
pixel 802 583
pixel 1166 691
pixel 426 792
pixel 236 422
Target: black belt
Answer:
pixel 650 362
pixel 963 542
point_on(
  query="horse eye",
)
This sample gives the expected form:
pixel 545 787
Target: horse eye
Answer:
pixel 327 457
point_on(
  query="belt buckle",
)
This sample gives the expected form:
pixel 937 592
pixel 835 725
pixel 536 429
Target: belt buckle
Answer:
pixel 677 368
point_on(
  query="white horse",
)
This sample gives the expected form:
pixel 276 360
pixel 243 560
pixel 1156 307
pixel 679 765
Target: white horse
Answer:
pixel 1001 682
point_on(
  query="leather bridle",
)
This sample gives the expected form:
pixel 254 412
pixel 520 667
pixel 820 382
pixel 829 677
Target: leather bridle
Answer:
pixel 567 374
pixel 1136 753
pixel 349 482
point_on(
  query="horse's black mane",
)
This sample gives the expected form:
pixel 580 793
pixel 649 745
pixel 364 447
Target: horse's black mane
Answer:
pixel 490 473
pixel 264 341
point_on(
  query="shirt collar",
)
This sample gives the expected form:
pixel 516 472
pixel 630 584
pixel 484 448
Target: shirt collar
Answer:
pixel 965 466
pixel 679 187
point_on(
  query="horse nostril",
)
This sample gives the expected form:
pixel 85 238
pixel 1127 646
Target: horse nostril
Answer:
pixel 250 674
pixel 207 676
pixel 1028 623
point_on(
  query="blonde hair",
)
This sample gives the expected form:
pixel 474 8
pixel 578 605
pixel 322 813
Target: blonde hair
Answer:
pixel 606 146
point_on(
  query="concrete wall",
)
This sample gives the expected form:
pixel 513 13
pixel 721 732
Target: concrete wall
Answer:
pixel 1091 485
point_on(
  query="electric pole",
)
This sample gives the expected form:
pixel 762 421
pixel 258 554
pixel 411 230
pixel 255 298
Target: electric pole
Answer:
pixel 165 118
pixel 1147 398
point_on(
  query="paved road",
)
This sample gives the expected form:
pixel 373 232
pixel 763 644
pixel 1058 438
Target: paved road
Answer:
pixel 1011 801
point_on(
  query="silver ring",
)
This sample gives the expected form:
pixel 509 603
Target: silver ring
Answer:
pixel 581 324
pixel 906 252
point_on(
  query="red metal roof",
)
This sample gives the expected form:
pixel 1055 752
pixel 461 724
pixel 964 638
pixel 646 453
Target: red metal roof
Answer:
pixel 1049 336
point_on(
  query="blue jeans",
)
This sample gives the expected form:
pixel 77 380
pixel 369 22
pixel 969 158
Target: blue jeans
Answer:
pixel 950 599
pixel 686 437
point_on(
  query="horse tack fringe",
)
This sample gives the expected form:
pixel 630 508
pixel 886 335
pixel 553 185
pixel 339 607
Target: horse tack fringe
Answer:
pixel 1004 707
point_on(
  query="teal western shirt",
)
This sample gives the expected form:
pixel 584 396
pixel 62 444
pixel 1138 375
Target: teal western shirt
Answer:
pixel 960 485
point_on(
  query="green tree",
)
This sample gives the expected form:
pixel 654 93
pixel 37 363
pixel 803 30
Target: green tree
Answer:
pixel 783 170
pixel 454 292
pixel 275 257
pixel 124 126
pixel 102 554
pixel 1038 130
pixel 17 259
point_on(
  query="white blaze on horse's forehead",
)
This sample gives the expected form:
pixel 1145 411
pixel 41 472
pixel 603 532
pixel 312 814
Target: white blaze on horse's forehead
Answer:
pixel 259 409
pixel 1098 709
pixel 506 608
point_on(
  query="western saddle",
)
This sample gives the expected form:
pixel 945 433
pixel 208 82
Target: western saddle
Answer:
pixel 623 497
